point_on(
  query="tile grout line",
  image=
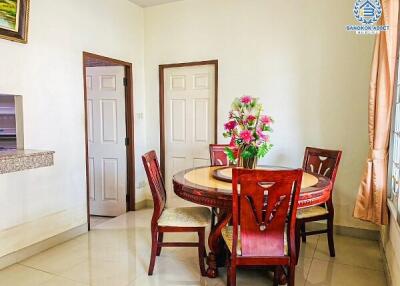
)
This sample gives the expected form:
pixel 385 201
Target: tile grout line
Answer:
pixel 352 265
pixel 53 274
pixel 312 259
pixel 37 269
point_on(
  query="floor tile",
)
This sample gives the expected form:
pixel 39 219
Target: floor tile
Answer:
pixel 351 251
pixel 95 221
pixel 59 281
pixel 105 273
pixel 172 271
pixel 328 273
pixel 19 275
pixel 117 252
pixel 59 258
pixel 307 249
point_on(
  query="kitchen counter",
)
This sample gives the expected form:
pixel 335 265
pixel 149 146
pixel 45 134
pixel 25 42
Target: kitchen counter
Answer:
pixel 19 160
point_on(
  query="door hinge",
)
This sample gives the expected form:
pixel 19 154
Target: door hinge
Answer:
pixel 126 141
pixel 125 81
pixel 128 197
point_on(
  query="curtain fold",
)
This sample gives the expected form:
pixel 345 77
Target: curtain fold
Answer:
pixel 371 200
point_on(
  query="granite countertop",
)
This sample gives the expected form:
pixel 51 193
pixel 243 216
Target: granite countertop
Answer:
pixel 19 160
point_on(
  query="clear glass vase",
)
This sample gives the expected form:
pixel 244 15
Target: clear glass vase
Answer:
pixel 247 163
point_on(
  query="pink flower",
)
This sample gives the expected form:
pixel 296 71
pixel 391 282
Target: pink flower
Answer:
pixel 246 136
pixel 245 99
pixel 262 136
pixel 230 125
pixel 251 118
pixel 266 120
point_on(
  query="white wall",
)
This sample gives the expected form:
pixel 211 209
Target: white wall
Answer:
pixel 47 72
pixel 311 75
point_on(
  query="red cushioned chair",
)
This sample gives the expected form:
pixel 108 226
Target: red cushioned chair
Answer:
pixel 264 231
pixel 326 163
pixel 188 219
pixel 217 155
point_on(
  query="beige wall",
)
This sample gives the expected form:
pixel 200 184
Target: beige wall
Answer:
pixel 295 55
pixel 311 75
pixel 390 236
pixel 47 72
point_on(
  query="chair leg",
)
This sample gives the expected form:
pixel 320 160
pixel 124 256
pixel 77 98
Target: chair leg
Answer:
pixel 291 274
pixel 202 251
pixel 160 240
pixel 277 275
pixel 153 251
pixel 228 270
pixel 297 239
pixel 232 275
pixel 330 235
pixel 303 232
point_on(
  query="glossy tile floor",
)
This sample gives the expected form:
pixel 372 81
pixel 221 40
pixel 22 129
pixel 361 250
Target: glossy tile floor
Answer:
pixel 116 253
pixel 96 220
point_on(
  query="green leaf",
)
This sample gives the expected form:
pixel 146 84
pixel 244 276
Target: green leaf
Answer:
pixel 263 150
pixel 229 153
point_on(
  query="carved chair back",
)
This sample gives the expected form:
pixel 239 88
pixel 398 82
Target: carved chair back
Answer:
pixel 156 183
pixel 322 162
pixel 218 156
pixel 268 205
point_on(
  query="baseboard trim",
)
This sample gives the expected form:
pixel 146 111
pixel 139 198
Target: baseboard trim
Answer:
pixel 140 205
pixel 368 234
pixel 145 204
pixel 41 246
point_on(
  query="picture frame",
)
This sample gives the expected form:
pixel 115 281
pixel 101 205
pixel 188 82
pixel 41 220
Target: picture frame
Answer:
pixel 14 18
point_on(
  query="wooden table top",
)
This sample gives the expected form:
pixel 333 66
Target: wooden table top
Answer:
pixel 199 186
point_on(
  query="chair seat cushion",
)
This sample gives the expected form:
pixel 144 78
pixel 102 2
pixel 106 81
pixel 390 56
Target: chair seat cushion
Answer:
pixel 311 212
pixel 227 234
pixel 185 217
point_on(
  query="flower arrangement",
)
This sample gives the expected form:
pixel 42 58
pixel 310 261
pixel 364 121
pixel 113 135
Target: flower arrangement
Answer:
pixel 248 130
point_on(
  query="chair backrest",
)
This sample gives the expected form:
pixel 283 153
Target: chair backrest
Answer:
pixel 218 156
pixel 268 205
pixel 322 162
pixel 156 182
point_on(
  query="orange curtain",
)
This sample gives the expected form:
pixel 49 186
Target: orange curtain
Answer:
pixel 371 201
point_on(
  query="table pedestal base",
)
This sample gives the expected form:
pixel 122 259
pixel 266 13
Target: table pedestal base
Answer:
pixel 216 257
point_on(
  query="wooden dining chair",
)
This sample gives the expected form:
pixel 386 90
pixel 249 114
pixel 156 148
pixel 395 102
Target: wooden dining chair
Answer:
pixel 326 163
pixel 263 234
pixel 186 219
pixel 217 158
pixel 217 155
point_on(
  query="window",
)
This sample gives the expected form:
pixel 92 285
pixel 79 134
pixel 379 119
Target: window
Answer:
pixel 394 153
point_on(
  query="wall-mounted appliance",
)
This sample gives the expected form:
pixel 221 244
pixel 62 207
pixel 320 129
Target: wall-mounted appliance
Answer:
pixel 11 135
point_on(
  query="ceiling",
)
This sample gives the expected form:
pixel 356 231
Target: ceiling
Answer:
pixel 148 3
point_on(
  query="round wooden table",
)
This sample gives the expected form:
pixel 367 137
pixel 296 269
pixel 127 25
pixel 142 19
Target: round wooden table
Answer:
pixel 199 186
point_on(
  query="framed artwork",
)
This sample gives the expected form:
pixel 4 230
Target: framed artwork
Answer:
pixel 14 16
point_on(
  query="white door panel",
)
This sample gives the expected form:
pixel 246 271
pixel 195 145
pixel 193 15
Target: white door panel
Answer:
pixel 106 140
pixel 189 120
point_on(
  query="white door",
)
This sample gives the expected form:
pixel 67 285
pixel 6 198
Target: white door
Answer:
pixel 189 100
pixel 106 140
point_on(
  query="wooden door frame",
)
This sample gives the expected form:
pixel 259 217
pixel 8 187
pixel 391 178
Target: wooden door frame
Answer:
pixel 161 102
pixel 129 111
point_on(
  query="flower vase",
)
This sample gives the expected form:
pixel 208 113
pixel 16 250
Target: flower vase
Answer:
pixel 247 163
